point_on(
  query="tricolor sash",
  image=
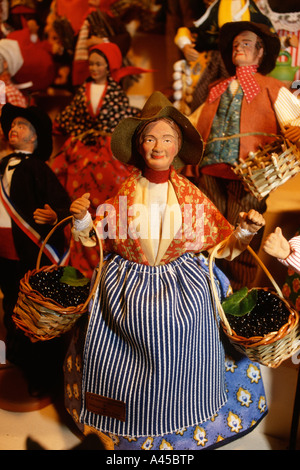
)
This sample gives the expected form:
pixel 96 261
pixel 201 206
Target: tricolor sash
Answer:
pixel 34 236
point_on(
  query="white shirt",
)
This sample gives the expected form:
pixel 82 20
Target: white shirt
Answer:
pixel 5 219
pixel 96 94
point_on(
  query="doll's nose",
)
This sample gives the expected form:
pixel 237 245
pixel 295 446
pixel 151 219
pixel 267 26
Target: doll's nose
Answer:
pixel 158 146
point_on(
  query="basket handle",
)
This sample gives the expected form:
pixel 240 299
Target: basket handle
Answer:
pixel 214 288
pixel 99 268
pixel 244 134
pixel 38 261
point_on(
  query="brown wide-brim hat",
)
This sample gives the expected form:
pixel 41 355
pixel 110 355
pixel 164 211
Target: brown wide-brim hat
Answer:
pixel 123 140
pixel 270 39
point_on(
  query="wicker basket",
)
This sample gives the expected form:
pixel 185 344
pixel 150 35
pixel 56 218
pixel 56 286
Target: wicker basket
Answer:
pixel 42 318
pixel 267 169
pixel 271 349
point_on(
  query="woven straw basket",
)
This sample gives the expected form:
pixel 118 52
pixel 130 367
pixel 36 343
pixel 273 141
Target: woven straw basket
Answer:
pixel 42 318
pixel 267 169
pixel 271 349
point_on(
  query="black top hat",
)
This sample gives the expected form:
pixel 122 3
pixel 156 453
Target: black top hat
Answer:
pixel 157 106
pixel 270 39
pixel 38 118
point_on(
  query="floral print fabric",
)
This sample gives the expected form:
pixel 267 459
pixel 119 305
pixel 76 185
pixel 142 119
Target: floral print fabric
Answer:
pixel 203 230
pixel 77 118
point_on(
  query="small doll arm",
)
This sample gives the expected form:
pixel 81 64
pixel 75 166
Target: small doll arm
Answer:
pixel 286 251
pixel 82 220
pixel 183 37
pixel 277 245
pixel 81 230
pixel 184 40
pixel 240 238
pixel 45 216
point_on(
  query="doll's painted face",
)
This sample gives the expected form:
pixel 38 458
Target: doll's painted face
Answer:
pixel 244 50
pixel 98 68
pixel 159 145
pixel 22 135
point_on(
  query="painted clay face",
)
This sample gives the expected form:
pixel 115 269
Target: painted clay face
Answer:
pixel 159 145
pixel 244 51
pixel 98 68
pixel 22 135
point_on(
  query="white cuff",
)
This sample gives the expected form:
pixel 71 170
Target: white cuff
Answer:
pixel 243 234
pixel 82 224
pixel 182 41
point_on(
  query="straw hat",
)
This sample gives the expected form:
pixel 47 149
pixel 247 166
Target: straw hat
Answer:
pixel 157 106
pixel 270 39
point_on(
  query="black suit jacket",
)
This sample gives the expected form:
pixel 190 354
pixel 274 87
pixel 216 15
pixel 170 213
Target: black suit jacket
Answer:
pixel 33 185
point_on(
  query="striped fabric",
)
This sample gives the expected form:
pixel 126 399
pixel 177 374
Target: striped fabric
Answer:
pixel 293 260
pixel 287 108
pixel 293 51
pixel 168 384
pixel 81 50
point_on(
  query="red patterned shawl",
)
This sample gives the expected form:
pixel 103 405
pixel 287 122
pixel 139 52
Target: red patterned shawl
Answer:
pixel 209 221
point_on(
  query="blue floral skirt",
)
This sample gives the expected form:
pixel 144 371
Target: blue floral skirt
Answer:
pixel 193 376
pixel 245 408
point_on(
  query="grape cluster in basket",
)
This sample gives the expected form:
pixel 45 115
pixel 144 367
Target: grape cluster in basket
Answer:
pixel 255 313
pixel 65 285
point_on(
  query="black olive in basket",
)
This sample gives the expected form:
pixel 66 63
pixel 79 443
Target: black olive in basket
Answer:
pixel 268 315
pixel 53 285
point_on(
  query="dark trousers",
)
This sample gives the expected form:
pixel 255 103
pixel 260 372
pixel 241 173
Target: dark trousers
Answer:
pixel 11 272
pixel 231 198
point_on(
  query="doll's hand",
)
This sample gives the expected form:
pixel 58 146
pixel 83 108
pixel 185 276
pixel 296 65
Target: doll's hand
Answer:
pixel 45 216
pixel 277 245
pixel 251 221
pixel 291 41
pixel 292 133
pixel 94 40
pixel 80 206
pixel 190 53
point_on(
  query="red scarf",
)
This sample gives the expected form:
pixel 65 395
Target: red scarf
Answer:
pixel 246 79
pixel 155 176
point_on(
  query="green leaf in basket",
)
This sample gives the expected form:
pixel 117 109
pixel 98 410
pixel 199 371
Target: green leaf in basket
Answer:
pixel 73 277
pixel 241 302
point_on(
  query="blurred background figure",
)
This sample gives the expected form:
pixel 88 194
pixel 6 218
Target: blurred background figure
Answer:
pixel 85 162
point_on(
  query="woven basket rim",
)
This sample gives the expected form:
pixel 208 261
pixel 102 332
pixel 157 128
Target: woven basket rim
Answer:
pixel 262 181
pixel 271 337
pixel 37 297
pixel 255 343
pixel 22 318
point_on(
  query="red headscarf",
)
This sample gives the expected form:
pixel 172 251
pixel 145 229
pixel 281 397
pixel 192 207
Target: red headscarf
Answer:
pixel 114 59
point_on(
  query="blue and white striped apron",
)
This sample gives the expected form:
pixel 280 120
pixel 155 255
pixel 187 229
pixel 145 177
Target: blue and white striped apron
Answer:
pixel 153 343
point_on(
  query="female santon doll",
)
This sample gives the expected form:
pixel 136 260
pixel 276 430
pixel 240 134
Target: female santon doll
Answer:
pixel 150 370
